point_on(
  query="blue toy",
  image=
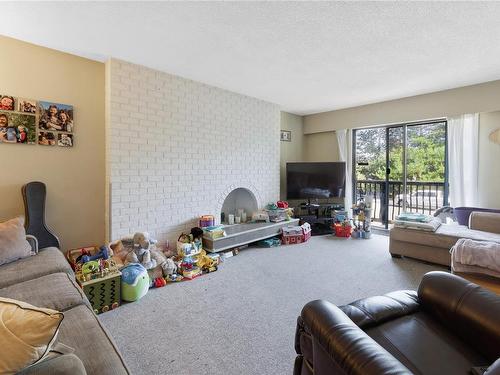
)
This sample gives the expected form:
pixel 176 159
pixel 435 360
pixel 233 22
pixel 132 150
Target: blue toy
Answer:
pixel 103 253
pixel 135 282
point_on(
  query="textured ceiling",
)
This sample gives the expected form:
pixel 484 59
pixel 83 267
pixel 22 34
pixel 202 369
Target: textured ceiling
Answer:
pixel 305 56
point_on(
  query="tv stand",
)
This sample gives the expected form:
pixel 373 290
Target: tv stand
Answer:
pixel 319 216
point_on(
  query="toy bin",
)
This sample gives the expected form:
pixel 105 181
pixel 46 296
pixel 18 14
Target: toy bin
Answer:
pixel 103 293
pixel 342 230
pixel 270 242
pixel 277 215
pixel 73 254
pixel 296 234
pixel 207 221
pixel 188 248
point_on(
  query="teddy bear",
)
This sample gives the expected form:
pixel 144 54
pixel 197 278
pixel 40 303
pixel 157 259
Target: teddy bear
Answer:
pixel 146 253
pixel 141 252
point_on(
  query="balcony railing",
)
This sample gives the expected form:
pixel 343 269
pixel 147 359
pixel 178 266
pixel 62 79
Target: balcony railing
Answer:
pixel 421 197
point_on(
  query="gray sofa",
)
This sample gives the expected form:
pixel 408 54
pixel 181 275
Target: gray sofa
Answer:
pixel 435 247
pixel 47 280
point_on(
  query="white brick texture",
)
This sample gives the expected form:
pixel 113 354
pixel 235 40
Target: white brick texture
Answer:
pixel 176 148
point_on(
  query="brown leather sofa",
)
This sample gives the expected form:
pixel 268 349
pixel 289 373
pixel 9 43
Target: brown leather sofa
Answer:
pixel 449 326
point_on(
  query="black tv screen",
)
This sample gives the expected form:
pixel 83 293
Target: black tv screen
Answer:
pixel 315 180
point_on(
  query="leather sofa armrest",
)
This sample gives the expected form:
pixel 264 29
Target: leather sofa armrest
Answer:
pixel 471 312
pixel 67 364
pixel 345 344
pixel 485 221
pixel 494 369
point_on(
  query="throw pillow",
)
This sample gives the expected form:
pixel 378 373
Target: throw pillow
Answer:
pixel 13 244
pixel 26 334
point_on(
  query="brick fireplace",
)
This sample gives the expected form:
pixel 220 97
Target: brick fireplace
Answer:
pixel 177 148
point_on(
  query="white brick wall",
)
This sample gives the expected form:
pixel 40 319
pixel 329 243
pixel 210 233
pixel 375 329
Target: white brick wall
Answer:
pixel 176 148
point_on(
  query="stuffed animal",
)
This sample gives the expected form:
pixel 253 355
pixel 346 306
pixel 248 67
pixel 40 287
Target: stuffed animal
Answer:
pixel 141 253
pixel 196 234
pixel 151 256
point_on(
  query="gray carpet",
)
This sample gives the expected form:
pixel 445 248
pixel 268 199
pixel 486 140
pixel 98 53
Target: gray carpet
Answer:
pixel 241 319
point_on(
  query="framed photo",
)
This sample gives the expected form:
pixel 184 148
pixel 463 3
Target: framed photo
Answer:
pixel 7 103
pixel 65 140
pixel 56 117
pixel 285 135
pixel 17 128
pixel 47 138
pixel 26 105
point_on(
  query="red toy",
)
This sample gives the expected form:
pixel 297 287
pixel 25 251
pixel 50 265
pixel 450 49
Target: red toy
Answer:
pixel 342 230
pixel 296 234
pixel 282 204
pixel 159 282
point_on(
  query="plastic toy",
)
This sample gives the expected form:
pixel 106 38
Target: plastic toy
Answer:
pixel 103 253
pixel 342 229
pixel 135 282
pixel 206 263
pixel 296 234
pixel 90 267
pixel 270 242
pixel 192 273
pixel 187 263
pixel 260 216
pixel 173 278
pixel 159 282
pixel 207 221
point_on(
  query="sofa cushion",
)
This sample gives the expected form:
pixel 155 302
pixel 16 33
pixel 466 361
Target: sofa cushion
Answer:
pixel 26 334
pixel 445 237
pixel 47 261
pixel 13 244
pixel 56 291
pixel 82 331
pixel 59 365
pixel 426 347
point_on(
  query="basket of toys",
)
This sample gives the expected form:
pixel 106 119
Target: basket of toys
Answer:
pixel 277 215
pixel 342 229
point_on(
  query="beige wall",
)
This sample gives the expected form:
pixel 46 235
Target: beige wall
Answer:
pixel 321 147
pixel 484 97
pixel 489 157
pixel 290 151
pixel 74 177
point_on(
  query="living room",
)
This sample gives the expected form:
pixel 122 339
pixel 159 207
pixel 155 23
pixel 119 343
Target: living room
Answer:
pixel 177 156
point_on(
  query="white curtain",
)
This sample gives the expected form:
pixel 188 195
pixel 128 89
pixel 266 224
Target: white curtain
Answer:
pixel 344 138
pixel 463 159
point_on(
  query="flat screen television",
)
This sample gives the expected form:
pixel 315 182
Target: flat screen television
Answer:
pixel 315 180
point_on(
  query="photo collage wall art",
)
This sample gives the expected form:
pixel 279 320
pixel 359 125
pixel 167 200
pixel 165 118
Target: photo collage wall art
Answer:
pixel 30 122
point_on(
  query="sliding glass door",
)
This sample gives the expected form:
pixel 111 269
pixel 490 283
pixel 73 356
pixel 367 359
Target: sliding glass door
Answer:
pixel 403 167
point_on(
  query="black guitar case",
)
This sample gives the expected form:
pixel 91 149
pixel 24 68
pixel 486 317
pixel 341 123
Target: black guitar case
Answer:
pixel 34 194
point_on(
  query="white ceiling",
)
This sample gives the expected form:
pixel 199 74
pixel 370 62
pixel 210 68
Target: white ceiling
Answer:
pixel 305 56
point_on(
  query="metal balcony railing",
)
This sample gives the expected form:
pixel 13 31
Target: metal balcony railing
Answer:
pixel 422 197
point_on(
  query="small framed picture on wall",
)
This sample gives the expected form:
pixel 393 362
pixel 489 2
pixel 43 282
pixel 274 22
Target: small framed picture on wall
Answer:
pixel 285 136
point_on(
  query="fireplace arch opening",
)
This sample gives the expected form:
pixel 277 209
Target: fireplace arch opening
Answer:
pixel 239 199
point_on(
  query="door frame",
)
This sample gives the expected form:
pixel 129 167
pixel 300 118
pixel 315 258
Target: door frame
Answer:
pixel 404 126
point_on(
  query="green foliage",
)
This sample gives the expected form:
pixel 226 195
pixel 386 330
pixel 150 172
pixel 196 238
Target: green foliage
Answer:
pixel 425 153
